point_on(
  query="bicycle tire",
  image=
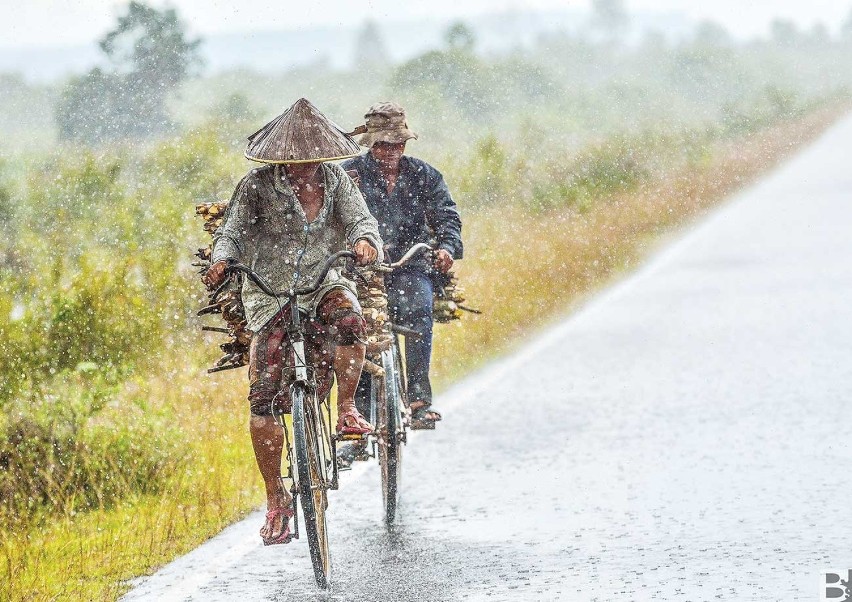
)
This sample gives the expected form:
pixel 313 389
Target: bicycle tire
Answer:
pixel 311 475
pixel 391 402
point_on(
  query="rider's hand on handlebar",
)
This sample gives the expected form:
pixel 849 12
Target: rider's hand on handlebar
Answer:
pixel 215 275
pixel 443 260
pixel 365 253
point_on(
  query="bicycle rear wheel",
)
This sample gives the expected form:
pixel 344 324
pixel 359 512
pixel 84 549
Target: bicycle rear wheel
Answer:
pixel 391 402
pixel 311 471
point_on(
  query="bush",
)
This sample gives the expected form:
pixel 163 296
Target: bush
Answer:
pixel 102 315
pixel 73 446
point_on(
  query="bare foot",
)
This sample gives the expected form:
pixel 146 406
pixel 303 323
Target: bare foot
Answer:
pixel 276 524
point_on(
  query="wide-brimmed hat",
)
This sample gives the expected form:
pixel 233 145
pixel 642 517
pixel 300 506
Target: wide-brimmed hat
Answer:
pixel 385 122
pixel 301 134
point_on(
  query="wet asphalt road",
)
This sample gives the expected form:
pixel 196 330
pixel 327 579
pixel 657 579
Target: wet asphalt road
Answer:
pixel 684 436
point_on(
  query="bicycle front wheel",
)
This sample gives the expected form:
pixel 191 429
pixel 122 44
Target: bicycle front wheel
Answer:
pixel 312 477
pixel 391 402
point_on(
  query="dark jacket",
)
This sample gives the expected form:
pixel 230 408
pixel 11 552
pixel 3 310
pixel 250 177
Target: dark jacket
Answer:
pixel 420 208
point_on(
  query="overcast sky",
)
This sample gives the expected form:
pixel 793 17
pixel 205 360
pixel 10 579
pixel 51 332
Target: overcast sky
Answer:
pixel 29 23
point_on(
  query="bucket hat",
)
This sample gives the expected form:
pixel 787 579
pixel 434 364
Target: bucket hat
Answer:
pixel 385 122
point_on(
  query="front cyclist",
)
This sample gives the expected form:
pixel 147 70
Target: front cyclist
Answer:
pixel 284 219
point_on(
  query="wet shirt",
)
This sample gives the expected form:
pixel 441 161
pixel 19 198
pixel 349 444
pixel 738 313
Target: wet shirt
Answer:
pixel 419 208
pixel 265 227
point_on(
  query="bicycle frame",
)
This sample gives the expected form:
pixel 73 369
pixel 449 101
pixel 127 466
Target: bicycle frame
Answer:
pixel 390 404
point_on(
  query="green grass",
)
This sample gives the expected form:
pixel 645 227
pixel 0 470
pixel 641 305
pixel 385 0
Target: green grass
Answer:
pixel 87 555
pixel 524 268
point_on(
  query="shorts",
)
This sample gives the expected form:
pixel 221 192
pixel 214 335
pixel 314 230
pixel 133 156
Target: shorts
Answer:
pixel 338 321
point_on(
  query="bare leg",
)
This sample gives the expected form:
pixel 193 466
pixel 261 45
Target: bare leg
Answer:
pixel 267 438
pixel 348 362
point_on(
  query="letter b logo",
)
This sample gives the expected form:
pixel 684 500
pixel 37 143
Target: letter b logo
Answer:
pixel 835 586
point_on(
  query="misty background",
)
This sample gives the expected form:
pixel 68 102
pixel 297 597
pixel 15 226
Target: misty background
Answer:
pixel 572 135
pixel 589 68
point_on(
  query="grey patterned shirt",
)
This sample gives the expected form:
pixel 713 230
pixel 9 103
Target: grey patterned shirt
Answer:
pixel 265 227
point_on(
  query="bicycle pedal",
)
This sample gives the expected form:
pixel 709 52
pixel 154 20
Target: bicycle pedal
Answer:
pixel 351 437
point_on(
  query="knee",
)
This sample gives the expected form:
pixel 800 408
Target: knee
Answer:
pixel 418 317
pixel 260 400
pixel 348 327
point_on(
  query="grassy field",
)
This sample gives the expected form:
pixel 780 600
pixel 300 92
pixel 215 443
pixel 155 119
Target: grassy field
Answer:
pixel 524 269
pixel 515 255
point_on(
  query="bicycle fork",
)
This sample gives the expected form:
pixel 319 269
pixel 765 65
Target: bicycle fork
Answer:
pixel 300 370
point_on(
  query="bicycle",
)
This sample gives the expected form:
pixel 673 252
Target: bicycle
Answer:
pixel 388 403
pixel 312 461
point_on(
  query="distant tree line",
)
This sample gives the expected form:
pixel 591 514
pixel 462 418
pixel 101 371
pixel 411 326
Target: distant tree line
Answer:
pixel 602 75
pixel 149 56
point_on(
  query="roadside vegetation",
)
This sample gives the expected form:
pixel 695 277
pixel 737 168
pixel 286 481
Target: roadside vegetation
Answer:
pixel 568 160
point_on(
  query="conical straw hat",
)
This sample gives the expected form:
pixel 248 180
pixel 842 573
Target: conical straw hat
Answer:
pixel 301 134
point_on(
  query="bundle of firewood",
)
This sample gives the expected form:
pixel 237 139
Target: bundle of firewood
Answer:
pixel 370 289
pixel 370 286
pixel 228 303
pixel 447 301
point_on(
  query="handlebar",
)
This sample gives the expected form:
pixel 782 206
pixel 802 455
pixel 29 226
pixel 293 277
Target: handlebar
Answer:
pixel 234 266
pixel 414 251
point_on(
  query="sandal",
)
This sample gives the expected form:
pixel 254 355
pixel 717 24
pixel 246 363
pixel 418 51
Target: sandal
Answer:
pixel 286 535
pixel 422 416
pixel 358 425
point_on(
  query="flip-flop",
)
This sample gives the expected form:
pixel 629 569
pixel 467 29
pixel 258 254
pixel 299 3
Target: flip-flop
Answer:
pixel 344 429
pixel 419 416
pixel 286 536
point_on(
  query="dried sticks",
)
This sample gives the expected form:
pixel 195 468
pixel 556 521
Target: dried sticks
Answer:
pixel 229 303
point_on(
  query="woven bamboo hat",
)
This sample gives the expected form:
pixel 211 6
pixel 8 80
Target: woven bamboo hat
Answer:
pixel 385 122
pixel 301 134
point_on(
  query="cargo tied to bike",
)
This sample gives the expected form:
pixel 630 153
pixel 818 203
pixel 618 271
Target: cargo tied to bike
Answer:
pixel 448 301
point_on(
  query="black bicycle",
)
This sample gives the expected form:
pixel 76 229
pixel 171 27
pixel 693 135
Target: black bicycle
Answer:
pixel 312 465
pixel 388 402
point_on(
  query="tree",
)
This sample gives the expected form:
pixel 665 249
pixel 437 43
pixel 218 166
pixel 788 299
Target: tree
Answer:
pixel 846 28
pixel 818 35
pixel 370 50
pixel 610 18
pixel 150 56
pixel 712 34
pixel 151 44
pixel 91 108
pixel 460 37
pixel 237 107
pixel 458 78
pixel 784 32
